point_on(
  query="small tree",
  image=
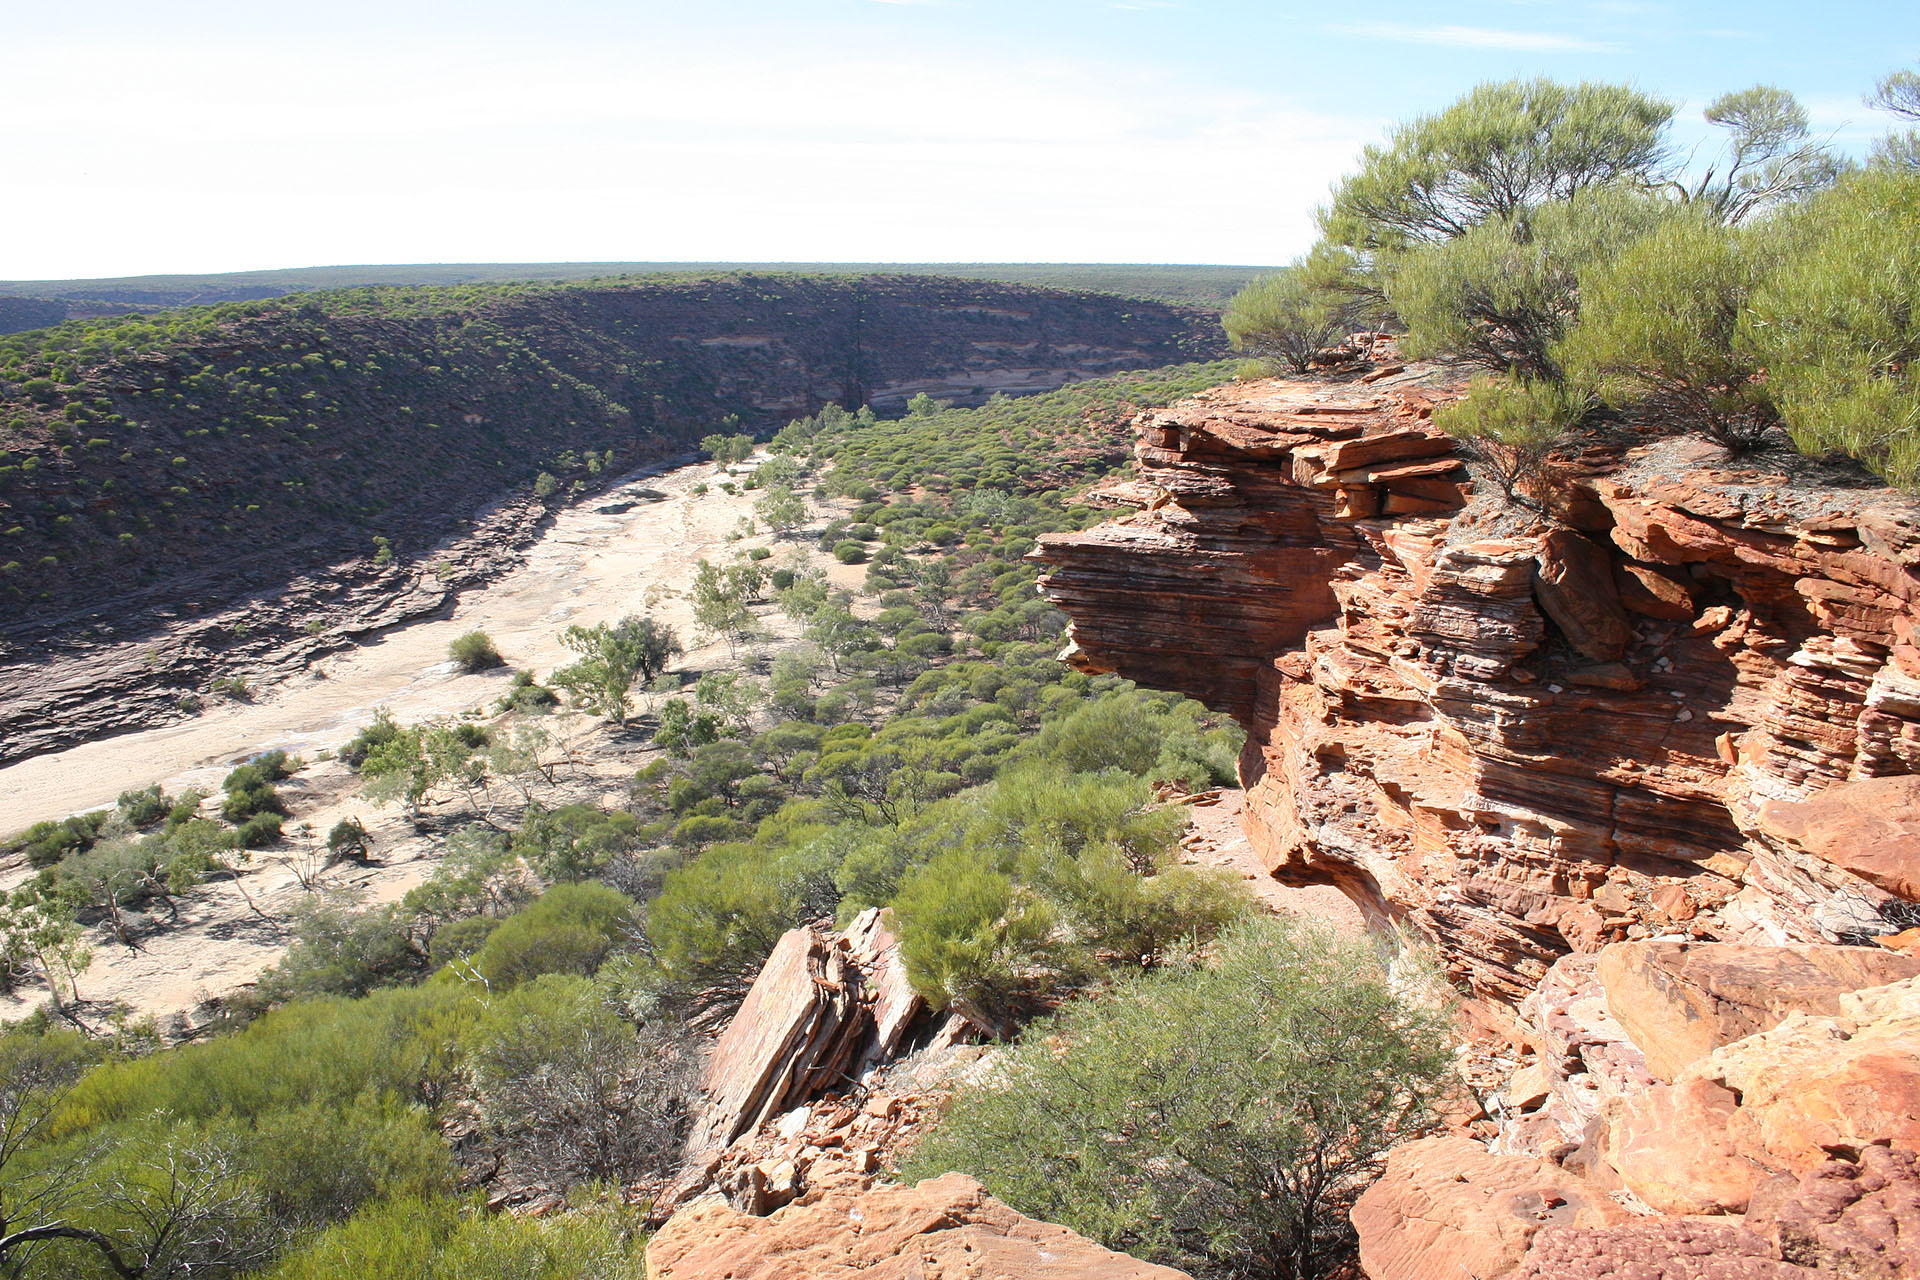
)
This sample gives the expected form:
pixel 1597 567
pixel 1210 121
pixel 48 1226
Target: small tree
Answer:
pixel 1499 151
pixel 612 659
pixel 1512 425
pixel 1283 317
pixel 781 509
pixel 1899 93
pixel 474 651
pixel 1218 1118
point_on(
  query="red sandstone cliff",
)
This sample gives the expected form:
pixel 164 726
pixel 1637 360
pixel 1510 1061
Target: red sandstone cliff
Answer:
pixel 1634 767
pixel 1689 704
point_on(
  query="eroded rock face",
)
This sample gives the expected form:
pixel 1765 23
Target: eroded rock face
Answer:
pixel 1445 1208
pixel 1519 736
pixel 1681 1001
pixel 945 1226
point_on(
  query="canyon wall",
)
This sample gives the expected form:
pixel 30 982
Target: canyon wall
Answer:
pixel 1639 763
pixel 1686 702
pixel 225 486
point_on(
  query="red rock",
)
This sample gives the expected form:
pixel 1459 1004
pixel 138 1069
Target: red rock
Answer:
pixel 1845 1218
pixel 1869 826
pixel 1444 1208
pixel 1657 1250
pixel 1574 582
pixel 1680 1001
pixel 946 1226
pixel 1671 1147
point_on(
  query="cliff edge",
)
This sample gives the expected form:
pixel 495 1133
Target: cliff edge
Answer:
pixel 1639 765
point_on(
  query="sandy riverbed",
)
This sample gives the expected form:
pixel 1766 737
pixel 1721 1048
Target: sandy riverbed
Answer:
pixel 591 566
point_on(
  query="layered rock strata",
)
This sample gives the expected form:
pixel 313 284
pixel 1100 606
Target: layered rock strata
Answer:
pixel 1638 760
pixel 1685 701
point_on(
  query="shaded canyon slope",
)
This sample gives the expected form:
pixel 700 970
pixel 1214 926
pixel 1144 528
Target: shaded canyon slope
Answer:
pixel 225 471
pixel 1642 770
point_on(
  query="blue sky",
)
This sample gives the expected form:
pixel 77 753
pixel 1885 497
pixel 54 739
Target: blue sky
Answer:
pixel 228 136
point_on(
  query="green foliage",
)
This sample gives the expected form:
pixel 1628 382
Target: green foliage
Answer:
pixel 575 1091
pixel 1219 1117
pixel 249 792
pixel 1899 93
pixel 574 842
pixel 1665 325
pixel 1288 317
pixel 474 651
pixel 727 449
pixel 1835 326
pixel 1500 151
pixel 613 657
pixel 341 952
pixel 780 508
pixel 46 843
pixel 1512 425
pixel 974 942
pixel 570 928
pixel 1504 291
pixel 430 1239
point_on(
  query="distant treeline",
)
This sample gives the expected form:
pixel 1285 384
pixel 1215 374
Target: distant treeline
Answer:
pixel 57 300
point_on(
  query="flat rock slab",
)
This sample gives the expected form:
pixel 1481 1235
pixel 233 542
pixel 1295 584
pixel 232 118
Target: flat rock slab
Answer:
pixel 947 1227
pixel 1680 1001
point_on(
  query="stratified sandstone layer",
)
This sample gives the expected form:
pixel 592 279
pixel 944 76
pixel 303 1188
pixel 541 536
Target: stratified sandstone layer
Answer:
pixel 1675 706
pixel 1640 762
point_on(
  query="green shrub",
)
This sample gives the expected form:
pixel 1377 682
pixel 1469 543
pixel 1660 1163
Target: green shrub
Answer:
pixel 1665 325
pixel 474 651
pixel 975 942
pixel 1512 426
pixel 1220 1118
pixel 415 1239
pixel 1835 325
pixel 570 928
pixel 850 552
pixel 342 952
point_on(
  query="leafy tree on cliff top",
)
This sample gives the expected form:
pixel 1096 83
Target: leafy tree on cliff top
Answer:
pixel 1498 152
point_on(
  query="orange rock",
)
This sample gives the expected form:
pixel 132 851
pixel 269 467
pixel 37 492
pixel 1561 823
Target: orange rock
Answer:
pixel 1671 1147
pixel 1680 1001
pixel 1869 826
pixel 945 1226
pixel 1444 1208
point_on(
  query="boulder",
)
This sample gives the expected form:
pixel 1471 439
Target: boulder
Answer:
pixel 1575 587
pixel 1869 826
pixel 1672 1148
pixel 945 1226
pixel 1444 1208
pixel 823 1009
pixel 1680 1001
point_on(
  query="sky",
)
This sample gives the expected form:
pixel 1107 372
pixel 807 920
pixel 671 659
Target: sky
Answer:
pixel 223 135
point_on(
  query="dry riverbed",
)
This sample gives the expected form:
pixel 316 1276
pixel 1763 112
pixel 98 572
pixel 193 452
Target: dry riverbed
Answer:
pixel 630 549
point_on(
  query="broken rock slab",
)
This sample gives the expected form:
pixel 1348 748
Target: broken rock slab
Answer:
pixel 1679 1001
pixel 945 1226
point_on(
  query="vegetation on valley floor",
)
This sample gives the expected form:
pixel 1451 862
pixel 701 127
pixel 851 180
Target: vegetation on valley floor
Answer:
pixel 522 1017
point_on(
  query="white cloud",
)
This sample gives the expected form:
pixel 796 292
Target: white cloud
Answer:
pixel 1459 37
pixel 746 155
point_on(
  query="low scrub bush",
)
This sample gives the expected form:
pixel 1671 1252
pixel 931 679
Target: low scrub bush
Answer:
pixel 1220 1118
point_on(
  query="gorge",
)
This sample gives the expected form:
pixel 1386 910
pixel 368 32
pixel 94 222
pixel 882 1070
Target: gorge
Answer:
pixel 1637 764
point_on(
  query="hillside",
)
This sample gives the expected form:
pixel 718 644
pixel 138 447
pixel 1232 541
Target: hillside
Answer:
pixel 28 304
pixel 156 470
